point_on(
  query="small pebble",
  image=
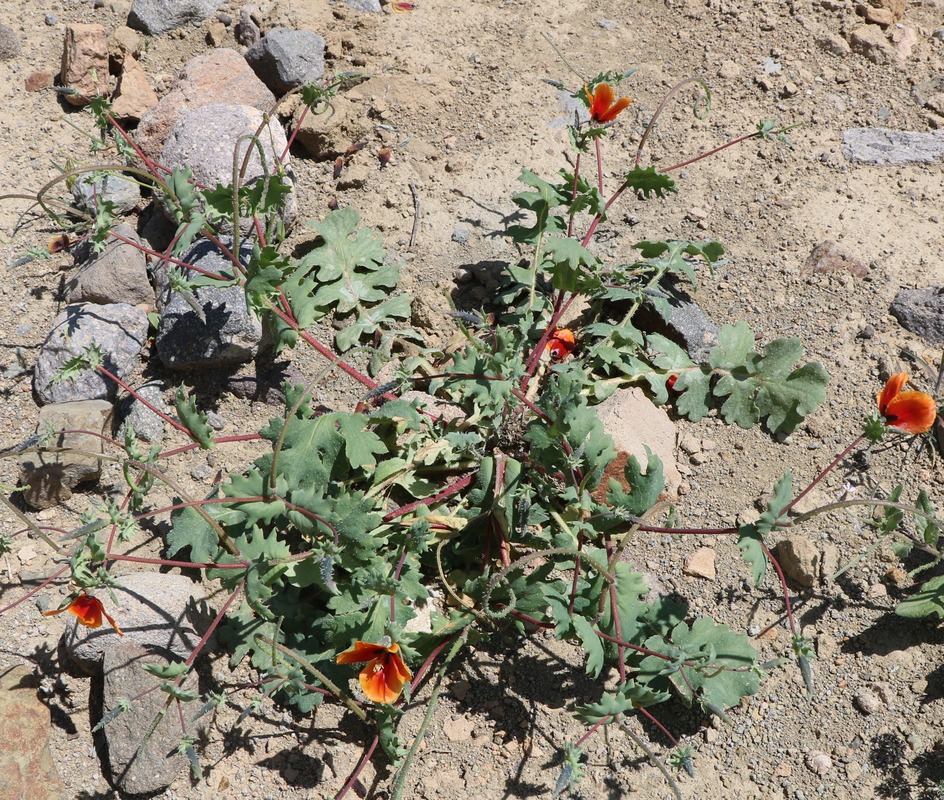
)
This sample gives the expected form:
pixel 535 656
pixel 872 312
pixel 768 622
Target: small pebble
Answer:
pixel 225 18
pixel 867 703
pixel 819 763
pixel 460 235
pixel 51 20
pixel 609 24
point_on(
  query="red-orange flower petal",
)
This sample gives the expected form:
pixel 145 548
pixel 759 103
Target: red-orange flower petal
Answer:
pixel 89 611
pixel 911 412
pixel 561 343
pixel 385 674
pixel 602 107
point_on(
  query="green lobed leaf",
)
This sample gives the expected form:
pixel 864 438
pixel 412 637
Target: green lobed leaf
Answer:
pixel 646 182
pixel 927 601
pixel 193 420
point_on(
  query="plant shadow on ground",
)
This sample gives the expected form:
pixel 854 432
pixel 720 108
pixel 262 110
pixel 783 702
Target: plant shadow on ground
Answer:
pixel 888 753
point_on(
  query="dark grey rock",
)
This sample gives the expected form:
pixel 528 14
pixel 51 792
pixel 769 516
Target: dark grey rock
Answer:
pixel 51 477
pixel 138 766
pixel 229 333
pixel 156 610
pixel 884 147
pixel 145 423
pixel 204 141
pixel 9 43
pixel 155 17
pixel 116 275
pixel 118 330
pixel 687 325
pixel 90 191
pixel 285 58
pixel 921 311
pixel 366 6
pixel 51 20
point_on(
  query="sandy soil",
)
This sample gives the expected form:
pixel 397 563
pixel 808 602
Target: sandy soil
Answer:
pixel 462 86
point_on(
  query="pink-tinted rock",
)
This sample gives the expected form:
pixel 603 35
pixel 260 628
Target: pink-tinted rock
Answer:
pixel 220 76
pixel 27 769
pixel 84 63
pixel 37 81
pixel 134 95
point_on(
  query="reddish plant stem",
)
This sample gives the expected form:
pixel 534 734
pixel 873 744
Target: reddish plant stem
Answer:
pixel 592 730
pixel 166 257
pixel 242 437
pixel 451 489
pixel 38 589
pixel 825 472
pixel 596 142
pixel 617 626
pixel 121 384
pixel 324 351
pixel 658 724
pixel 213 625
pixel 783 587
pixel 166 562
pixel 359 768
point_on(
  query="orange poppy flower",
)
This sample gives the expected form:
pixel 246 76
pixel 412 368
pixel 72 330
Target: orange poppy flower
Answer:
pixel 602 107
pixel 911 412
pixel 383 678
pixel 89 610
pixel 561 343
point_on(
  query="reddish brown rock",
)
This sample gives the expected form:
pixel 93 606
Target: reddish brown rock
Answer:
pixel 220 76
pixel 27 770
pixel 84 63
pixel 133 96
pixel 828 257
pixel 37 81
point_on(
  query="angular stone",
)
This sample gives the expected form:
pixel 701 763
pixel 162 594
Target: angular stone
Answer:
pixel 229 332
pixel 51 477
pixel 116 275
pixel 134 414
pixel 155 17
pixel 9 43
pixel 118 330
pixel 138 766
pixel 220 76
pixel 156 610
pixel 285 58
pixel 884 147
pixel 205 139
pixel 688 326
pixel 871 42
pixel 700 564
pixel 327 136
pixel 829 256
pixel 800 559
pixel 921 311
pixel 90 191
pixel 27 769
pixel 635 422
pixel 84 63
pixel 134 96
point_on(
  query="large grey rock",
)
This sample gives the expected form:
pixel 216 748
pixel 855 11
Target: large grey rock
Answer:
pixel 116 275
pixel 9 43
pixel 220 76
pixel 134 414
pixel 884 147
pixel 156 610
pixel 687 325
pixel 205 139
pixel 118 330
pixel 27 768
pixel 155 17
pixel 286 58
pixel 51 477
pixel 91 191
pixel 921 311
pixel 229 332
pixel 138 766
